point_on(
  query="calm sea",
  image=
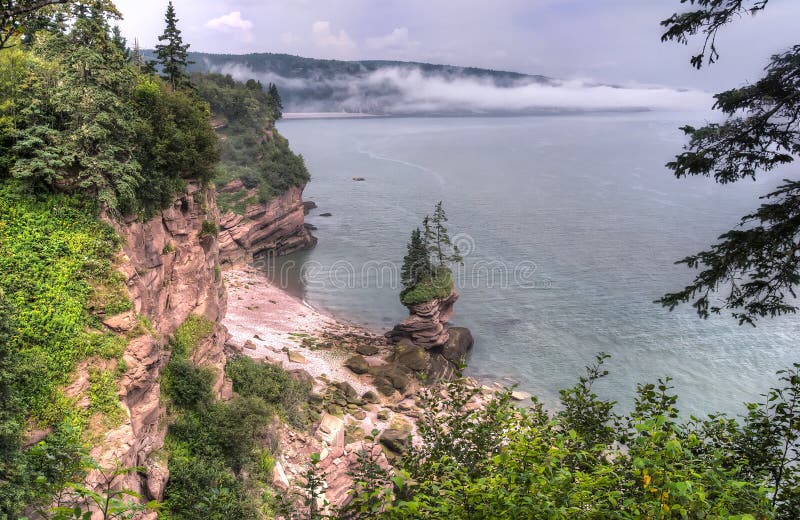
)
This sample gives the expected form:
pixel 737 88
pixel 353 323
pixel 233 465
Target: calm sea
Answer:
pixel 570 227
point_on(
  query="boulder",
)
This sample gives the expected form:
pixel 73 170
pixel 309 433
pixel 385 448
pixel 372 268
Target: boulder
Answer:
pixel 396 440
pixel 370 397
pixel 457 345
pixel 367 350
pixel 308 206
pixel 519 395
pixel 279 480
pixel 357 364
pixel 122 322
pixel 331 430
pixel 349 392
pixel 296 357
pixel 325 215
pixel 384 386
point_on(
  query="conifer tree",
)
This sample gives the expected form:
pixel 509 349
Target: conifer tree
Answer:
pixel 137 59
pixel 16 15
pixel 89 149
pixel 445 250
pixel 753 270
pixel 416 263
pixel 120 42
pixel 274 100
pixel 172 55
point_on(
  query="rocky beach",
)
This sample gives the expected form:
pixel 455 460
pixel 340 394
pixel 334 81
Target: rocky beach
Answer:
pixel 361 381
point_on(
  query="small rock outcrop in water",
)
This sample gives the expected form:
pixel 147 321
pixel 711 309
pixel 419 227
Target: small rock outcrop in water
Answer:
pixel 426 324
pixel 275 228
pixel 308 205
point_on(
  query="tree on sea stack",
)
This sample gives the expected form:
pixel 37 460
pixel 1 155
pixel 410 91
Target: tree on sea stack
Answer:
pixel 416 264
pixel 426 271
pixel 173 56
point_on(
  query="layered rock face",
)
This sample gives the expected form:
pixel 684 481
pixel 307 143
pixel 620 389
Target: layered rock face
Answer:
pixel 276 228
pixel 171 266
pixel 426 324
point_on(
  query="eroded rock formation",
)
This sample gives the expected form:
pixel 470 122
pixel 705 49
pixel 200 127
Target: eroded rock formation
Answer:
pixel 276 227
pixel 426 324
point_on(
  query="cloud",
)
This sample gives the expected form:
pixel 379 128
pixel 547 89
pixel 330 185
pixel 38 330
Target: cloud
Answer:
pixel 395 40
pixel 230 22
pixel 325 37
pixel 409 90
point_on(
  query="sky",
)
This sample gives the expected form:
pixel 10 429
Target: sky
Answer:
pixel 610 41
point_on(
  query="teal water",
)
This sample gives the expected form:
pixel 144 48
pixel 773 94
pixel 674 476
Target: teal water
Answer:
pixel 570 225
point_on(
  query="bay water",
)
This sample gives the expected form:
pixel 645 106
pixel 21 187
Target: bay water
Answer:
pixel 570 226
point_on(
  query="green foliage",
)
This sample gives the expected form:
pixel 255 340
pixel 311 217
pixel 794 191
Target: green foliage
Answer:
pixel 219 449
pixel 425 273
pixel 204 488
pixel 55 257
pixel 77 117
pixel 755 265
pixel 274 102
pixel 438 286
pixel 252 150
pixel 175 141
pixel 272 384
pixel 187 385
pixel 80 136
pixel 503 462
pixel 417 262
pixel 209 228
pixel 104 396
pixel 188 336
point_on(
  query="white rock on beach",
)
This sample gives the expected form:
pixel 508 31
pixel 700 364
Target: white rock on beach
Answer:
pixel 331 430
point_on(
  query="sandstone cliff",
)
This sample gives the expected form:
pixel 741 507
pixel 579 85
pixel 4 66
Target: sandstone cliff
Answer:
pixel 276 227
pixel 171 266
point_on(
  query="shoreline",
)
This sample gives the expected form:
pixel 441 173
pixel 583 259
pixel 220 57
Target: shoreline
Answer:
pixel 327 115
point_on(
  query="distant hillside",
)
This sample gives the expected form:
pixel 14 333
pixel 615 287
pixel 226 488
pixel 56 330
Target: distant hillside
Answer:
pixel 371 86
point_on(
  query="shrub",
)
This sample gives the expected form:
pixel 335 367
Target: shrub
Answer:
pixel 209 228
pixel 104 396
pixel 200 487
pixel 272 384
pixel 503 462
pixel 187 385
pixel 54 258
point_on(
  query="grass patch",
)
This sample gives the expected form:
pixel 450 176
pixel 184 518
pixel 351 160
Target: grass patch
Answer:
pixel 189 335
pixel 104 397
pixel 438 286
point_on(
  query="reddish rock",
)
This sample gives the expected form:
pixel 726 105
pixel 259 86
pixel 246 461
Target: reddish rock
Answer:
pixel 426 324
pixel 274 228
pixel 166 288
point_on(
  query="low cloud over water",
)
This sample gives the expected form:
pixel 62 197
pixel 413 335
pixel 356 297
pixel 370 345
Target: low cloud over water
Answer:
pixel 410 90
